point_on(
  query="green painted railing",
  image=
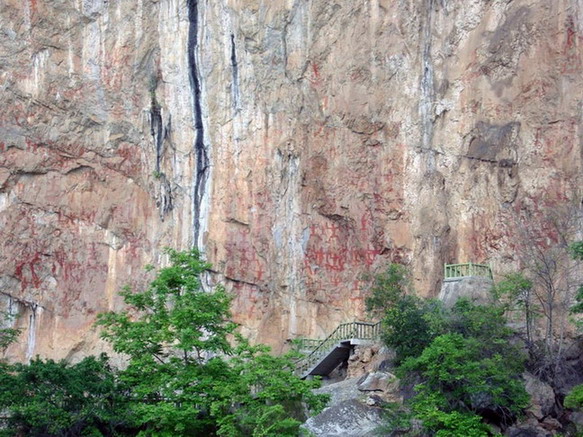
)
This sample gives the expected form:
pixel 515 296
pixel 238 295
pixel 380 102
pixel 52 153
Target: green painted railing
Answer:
pixel 468 269
pixel 306 345
pixel 345 331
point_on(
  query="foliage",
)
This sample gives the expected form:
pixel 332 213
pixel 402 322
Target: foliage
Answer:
pixel 513 289
pixel 461 359
pixel 577 308
pixel 516 291
pixel 459 374
pixel 176 328
pixel 268 395
pixel 576 250
pixel 574 399
pixel 448 423
pixel 388 287
pixel 178 373
pixel 187 373
pixel 58 399
pixel 7 335
pixel 406 324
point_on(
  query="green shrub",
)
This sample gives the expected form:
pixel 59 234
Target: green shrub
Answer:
pixel 574 399
pixel 461 359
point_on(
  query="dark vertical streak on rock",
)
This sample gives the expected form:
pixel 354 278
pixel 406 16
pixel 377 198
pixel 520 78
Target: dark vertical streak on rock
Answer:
pixel 200 149
pixel 157 130
pixel 235 70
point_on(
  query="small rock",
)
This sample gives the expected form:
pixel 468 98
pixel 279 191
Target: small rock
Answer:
pixel 577 419
pixel 374 400
pixel 551 424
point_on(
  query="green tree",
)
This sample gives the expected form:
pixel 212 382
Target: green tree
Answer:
pixel 388 287
pixel 49 398
pixel 177 342
pixel 268 396
pixel 7 335
pixel 460 360
pixel 408 323
pixel 460 376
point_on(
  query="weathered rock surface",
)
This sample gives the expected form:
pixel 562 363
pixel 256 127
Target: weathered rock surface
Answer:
pixel 368 358
pixel 350 418
pixel 474 288
pixel 542 396
pixel 527 431
pixel 299 144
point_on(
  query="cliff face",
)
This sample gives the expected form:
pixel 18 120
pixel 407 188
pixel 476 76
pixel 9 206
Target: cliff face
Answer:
pixel 299 144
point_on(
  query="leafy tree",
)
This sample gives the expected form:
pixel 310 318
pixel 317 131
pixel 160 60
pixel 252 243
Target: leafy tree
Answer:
pixel 576 249
pixel 408 323
pixel 169 340
pixel 460 359
pixel 177 343
pixel 388 287
pixel 459 375
pixel 7 335
pixel 268 396
pixel 48 398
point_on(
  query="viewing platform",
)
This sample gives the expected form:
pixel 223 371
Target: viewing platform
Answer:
pixel 455 272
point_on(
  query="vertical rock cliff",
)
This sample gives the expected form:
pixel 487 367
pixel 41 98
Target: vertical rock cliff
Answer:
pixel 300 144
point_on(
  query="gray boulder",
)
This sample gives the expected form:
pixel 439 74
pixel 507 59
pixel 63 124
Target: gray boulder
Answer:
pixel 542 396
pixel 349 418
pixel 475 288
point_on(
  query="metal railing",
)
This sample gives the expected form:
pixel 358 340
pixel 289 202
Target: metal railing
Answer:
pixel 467 269
pixel 306 345
pixel 345 331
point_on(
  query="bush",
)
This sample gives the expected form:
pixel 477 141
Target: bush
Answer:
pixel 574 399
pixel 56 398
pixel 465 369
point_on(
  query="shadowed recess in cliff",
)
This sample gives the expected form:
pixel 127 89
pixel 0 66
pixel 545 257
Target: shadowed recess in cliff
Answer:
pixel 200 149
pixel 159 133
pixel 157 130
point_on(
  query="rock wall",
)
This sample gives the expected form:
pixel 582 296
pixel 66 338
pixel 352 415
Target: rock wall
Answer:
pixel 301 144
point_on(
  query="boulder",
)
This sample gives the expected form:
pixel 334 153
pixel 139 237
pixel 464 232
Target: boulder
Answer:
pixel 475 288
pixel 350 418
pixel 385 384
pixel 527 431
pixel 541 394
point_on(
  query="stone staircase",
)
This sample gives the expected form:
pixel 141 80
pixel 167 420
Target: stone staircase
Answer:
pixel 323 356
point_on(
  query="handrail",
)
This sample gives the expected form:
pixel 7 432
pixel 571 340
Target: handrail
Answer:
pixel 306 345
pixel 344 331
pixel 467 269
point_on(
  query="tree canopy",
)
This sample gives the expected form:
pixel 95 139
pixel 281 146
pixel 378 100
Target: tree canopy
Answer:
pixel 464 370
pixel 187 372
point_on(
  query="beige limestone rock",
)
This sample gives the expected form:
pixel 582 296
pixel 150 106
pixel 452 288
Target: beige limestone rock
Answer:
pixel 338 137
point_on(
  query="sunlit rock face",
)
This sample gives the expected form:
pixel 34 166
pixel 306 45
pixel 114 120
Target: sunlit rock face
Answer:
pixel 300 144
